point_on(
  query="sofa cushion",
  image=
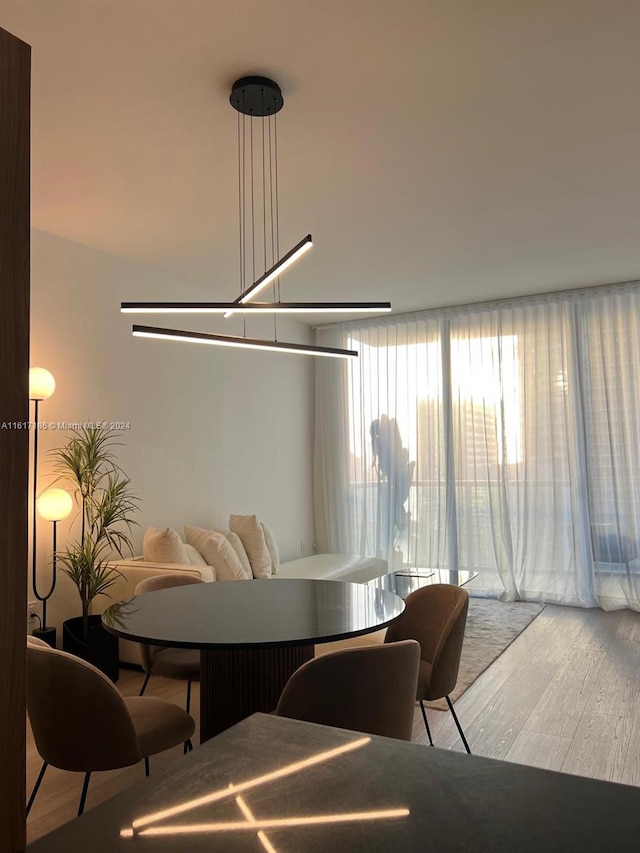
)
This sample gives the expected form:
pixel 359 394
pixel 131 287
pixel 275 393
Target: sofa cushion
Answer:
pixel 272 547
pixel 164 545
pixel 195 557
pixel 252 537
pixel 217 551
pixel 238 547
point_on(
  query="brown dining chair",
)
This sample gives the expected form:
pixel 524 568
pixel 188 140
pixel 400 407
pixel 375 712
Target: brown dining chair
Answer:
pixel 369 689
pixel 183 664
pixel 436 617
pixel 81 722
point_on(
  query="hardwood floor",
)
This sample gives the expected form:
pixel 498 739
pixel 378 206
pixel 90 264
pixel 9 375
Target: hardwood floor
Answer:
pixel 564 696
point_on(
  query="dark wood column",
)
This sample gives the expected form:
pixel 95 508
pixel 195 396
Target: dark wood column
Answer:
pixel 235 683
pixel 15 65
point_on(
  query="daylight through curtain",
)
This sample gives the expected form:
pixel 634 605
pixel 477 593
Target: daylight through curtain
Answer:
pixel 501 438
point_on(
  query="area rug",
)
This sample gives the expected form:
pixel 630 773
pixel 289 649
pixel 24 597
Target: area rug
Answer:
pixel 492 626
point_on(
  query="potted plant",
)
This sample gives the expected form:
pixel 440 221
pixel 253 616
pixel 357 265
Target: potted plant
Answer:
pixel 106 507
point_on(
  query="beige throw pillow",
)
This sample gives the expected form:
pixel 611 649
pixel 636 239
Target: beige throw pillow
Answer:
pixel 195 557
pixel 238 547
pixel 252 537
pixel 164 545
pixel 272 547
pixel 218 553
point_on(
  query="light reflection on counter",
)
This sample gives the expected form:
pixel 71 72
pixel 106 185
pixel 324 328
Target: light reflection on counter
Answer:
pixel 288 769
pixel 144 826
pixel 270 823
pixel 262 838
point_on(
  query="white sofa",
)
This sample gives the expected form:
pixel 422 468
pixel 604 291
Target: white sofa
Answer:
pixel 337 567
pixel 334 567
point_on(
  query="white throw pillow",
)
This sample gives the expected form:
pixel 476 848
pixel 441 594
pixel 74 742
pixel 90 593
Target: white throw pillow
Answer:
pixel 252 537
pixel 164 545
pixel 195 557
pixel 272 547
pixel 238 547
pixel 217 551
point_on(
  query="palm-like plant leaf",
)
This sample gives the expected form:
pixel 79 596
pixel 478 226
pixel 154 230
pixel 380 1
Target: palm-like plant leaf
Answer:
pixel 106 505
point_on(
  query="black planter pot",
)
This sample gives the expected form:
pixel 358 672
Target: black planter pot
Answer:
pixel 101 650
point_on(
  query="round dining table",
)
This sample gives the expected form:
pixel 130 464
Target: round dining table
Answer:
pixel 252 635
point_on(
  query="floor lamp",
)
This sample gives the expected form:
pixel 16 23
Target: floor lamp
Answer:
pixel 41 387
pixel 53 505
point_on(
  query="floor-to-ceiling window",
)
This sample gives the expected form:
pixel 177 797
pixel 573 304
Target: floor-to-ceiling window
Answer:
pixel 501 438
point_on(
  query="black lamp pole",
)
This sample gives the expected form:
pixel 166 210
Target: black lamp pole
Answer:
pixel 43 632
pixel 35 496
pixel 46 633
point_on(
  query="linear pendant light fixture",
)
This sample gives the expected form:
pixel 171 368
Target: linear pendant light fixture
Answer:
pixel 272 274
pixel 266 278
pixel 257 100
pixel 231 341
pixel 252 307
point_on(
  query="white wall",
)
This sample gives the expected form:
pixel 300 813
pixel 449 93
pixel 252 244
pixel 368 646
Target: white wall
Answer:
pixel 212 431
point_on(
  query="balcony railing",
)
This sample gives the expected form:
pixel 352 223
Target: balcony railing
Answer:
pixel 541 528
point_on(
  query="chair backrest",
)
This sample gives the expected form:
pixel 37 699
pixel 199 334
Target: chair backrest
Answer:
pixel 436 617
pixel 166 581
pixel 79 719
pixel 369 689
pixel 36 641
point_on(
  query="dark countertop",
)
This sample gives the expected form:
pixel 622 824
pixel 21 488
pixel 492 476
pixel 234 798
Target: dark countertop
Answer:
pixel 455 802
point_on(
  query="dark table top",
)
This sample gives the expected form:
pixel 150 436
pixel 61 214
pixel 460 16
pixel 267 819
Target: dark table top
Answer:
pixel 252 614
pixel 285 770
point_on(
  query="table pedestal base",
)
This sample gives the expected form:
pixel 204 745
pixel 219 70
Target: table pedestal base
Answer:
pixel 235 683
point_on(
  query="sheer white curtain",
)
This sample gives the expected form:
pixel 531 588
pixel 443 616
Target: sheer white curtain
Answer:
pixel 502 438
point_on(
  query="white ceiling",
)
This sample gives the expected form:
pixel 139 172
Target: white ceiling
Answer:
pixel 439 152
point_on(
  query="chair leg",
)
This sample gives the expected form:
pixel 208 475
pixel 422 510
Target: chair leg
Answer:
pixel 83 795
pixel 37 786
pixel 188 705
pixel 188 746
pixel 426 724
pixel 464 740
pixel 147 769
pixel 144 686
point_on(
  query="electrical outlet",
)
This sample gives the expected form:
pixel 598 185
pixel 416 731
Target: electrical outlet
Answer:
pixel 34 611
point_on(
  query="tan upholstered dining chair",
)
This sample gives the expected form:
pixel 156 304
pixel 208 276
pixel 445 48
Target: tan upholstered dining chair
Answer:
pixel 436 617
pixel 183 664
pixel 81 722
pixel 369 689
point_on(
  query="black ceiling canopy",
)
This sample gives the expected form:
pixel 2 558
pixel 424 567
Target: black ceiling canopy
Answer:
pixel 256 96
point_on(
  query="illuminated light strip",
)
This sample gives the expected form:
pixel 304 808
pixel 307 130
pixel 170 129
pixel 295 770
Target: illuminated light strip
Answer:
pixel 253 307
pixel 268 846
pixel 287 770
pixel 273 823
pixel 246 811
pixel 279 267
pixel 241 343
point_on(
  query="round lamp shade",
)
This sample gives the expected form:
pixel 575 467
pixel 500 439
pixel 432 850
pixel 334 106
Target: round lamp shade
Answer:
pixel 54 504
pixel 41 384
